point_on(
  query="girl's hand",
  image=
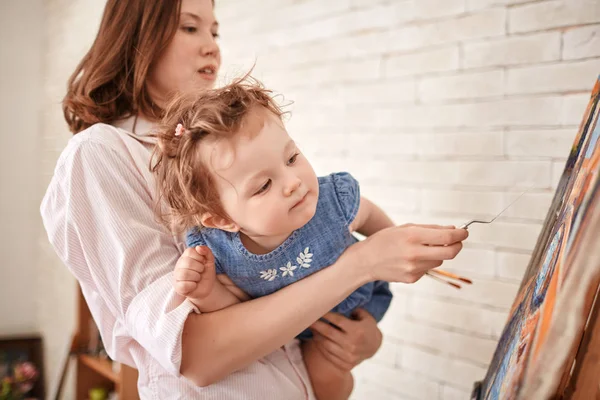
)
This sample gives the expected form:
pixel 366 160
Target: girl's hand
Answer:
pixel 195 273
pixel 352 342
pixel 404 253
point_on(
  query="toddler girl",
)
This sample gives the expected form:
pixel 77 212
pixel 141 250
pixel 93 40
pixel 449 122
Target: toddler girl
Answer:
pixel 258 214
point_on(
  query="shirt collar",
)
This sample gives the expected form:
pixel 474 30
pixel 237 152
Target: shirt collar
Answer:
pixel 138 127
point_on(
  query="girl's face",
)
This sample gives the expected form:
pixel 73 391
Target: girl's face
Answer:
pixel 192 59
pixel 265 184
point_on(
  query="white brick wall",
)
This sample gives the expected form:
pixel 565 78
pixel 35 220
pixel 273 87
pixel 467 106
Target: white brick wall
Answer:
pixel 444 109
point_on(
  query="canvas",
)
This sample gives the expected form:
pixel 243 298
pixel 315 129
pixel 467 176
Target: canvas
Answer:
pixel 532 315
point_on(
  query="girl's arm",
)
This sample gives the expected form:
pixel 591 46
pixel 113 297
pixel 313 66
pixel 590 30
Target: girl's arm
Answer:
pixel 370 219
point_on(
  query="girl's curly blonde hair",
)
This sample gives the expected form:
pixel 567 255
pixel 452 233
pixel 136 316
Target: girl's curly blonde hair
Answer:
pixel 183 178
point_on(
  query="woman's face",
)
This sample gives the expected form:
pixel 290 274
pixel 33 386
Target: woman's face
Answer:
pixel 192 59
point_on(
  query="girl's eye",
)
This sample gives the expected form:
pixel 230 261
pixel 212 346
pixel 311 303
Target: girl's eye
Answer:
pixel 264 187
pixel 292 159
pixel 216 35
pixel 190 29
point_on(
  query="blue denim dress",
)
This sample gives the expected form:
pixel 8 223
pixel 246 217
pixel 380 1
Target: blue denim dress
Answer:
pixel 307 250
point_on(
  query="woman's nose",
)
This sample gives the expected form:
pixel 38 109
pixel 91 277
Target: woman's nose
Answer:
pixel 209 46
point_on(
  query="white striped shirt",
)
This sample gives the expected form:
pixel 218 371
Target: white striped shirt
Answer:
pixel 99 216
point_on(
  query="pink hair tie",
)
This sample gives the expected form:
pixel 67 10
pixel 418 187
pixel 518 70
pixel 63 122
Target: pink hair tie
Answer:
pixel 179 130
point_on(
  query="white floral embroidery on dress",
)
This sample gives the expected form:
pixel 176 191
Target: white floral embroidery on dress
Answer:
pixel 304 259
pixel 288 269
pixel 269 275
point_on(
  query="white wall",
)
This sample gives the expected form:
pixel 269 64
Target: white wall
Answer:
pixel 444 110
pixel 21 36
pixel 70 29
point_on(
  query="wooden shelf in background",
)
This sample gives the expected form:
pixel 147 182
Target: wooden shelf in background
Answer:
pixel 101 366
pixel 95 372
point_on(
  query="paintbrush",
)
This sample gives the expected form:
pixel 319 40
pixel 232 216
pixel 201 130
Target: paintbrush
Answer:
pixel 434 273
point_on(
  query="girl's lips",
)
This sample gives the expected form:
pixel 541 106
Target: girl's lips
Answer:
pixel 301 201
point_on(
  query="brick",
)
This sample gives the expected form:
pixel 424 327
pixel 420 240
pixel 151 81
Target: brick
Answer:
pixel 401 382
pixel 367 3
pixel 552 14
pixel 426 9
pixel 472 262
pixel 548 110
pixel 505 173
pixel 365 390
pixel 392 319
pixel 363 70
pixel 530 206
pixel 512 265
pixel 564 77
pixel 392 198
pixel 462 317
pixel 451 393
pixel 388 92
pixel 446 343
pixel 540 143
pixel 387 353
pixel 464 202
pixel 457 372
pixel 558 167
pixel 358 45
pixel 515 50
pixel 488 23
pixel 498 323
pixel 581 42
pixel 485 292
pixel 493 173
pixel 463 86
pixel 473 5
pixel 349 22
pixel 503 234
pixel 382 144
pixel 574 107
pixel 364 93
pixel 437 60
pixel 461 144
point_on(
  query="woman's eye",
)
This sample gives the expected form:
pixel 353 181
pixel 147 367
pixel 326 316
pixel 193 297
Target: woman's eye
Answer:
pixel 264 187
pixel 190 29
pixel 292 159
pixel 216 35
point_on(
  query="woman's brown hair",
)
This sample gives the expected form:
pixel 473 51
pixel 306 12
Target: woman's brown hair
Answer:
pixel 183 179
pixel 110 81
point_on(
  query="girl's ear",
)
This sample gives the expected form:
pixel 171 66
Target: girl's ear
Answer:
pixel 212 221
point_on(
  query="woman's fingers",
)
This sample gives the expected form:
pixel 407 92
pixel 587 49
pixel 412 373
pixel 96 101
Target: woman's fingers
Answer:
pixel 328 331
pixel 338 320
pixel 333 352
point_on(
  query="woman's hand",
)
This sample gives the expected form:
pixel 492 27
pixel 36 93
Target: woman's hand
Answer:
pixel 352 342
pixel 404 253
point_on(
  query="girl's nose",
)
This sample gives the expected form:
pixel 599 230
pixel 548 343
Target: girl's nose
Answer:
pixel 292 186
